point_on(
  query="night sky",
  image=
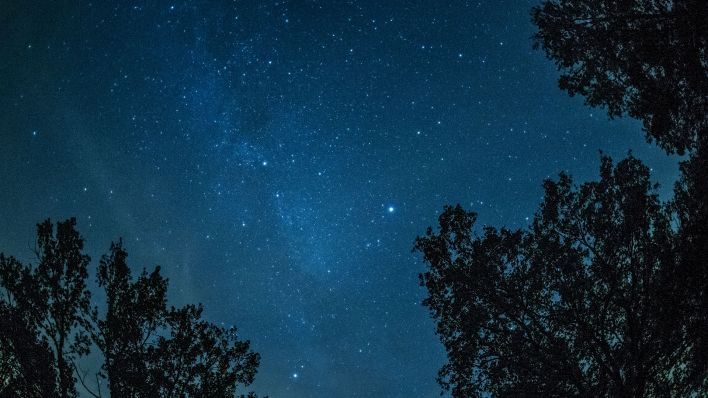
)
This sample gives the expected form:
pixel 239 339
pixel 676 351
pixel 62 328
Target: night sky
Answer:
pixel 278 159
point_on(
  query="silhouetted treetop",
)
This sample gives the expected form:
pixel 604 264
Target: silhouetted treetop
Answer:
pixel 644 58
pixel 51 299
pixel 584 302
pixel 25 360
pixel 149 349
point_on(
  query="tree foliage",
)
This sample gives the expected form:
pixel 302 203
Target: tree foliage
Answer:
pixel 691 207
pixel 51 300
pixel 151 350
pixel 25 361
pixel 135 312
pixel 644 58
pixel 586 301
pixel 148 348
pixel 649 59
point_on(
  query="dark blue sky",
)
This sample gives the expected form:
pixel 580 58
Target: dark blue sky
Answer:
pixel 279 158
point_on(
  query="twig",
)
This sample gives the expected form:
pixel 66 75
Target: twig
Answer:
pixel 81 379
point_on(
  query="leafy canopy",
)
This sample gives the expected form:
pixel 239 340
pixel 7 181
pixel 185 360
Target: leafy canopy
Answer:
pixel 580 303
pixel 644 58
pixel 148 348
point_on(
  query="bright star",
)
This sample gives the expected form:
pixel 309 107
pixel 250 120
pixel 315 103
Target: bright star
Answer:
pixel 391 209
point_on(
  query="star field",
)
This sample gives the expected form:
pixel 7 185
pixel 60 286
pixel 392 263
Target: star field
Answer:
pixel 278 159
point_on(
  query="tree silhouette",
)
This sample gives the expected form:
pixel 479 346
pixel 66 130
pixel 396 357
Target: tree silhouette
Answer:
pixel 691 290
pixel 25 361
pixel 134 315
pixel 649 59
pixel 580 303
pixel 149 350
pixel 644 58
pixel 52 299
pixel 153 351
